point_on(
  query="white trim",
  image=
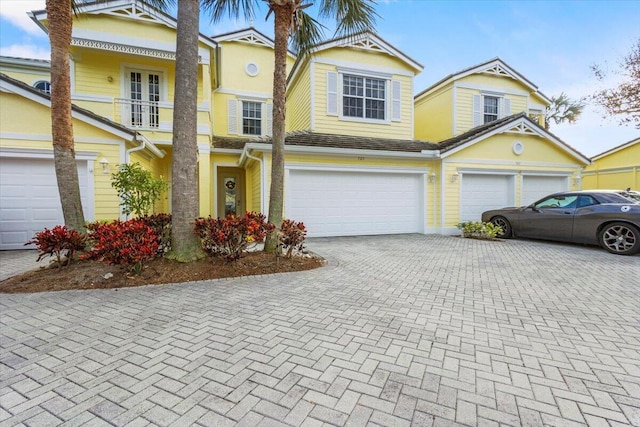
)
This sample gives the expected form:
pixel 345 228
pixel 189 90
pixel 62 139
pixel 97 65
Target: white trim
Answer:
pixel 515 163
pixel 375 41
pixel 491 90
pixel 203 130
pixel 48 138
pixel 610 170
pixel 248 69
pixel 350 168
pixel 245 94
pixel 534 131
pixel 546 173
pixel 217 165
pixel 345 151
pixel 226 151
pixel 387 99
pixel 204 148
pixel 312 100
pixel 42 153
pixel 616 149
pixel 72 75
pixel 42 100
pixel 454 115
pixel 92 98
pixel 480 68
pixel 374 69
pixel 26 62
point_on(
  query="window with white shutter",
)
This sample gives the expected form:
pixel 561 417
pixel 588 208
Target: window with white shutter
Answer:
pixel 232 117
pixel 396 98
pixel 332 93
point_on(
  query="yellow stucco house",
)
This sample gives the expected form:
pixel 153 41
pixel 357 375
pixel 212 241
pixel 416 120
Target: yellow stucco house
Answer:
pixel 363 155
pixel 617 168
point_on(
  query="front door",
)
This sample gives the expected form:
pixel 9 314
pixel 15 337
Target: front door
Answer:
pixel 231 192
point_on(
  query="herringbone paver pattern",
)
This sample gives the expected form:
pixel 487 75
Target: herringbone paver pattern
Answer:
pixel 396 331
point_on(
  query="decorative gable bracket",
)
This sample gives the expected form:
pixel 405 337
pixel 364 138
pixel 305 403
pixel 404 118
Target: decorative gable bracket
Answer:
pixel 522 128
pixel 498 70
pixel 364 43
pixel 251 39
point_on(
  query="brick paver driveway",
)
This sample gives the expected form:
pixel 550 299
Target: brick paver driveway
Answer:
pixel 398 330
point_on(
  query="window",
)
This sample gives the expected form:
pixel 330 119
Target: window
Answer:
pixel 565 202
pixel 44 86
pixel 491 108
pixel 143 97
pixel 251 118
pixel 363 97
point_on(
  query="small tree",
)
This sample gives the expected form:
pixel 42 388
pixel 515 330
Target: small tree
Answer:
pixel 137 188
pixel 622 101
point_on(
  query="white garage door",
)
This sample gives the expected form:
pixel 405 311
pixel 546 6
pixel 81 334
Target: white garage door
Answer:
pixel 355 203
pixel 482 192
pixel 29 199
pixel 535 187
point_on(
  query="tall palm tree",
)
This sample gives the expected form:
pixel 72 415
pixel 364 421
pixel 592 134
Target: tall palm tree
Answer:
pixel 185 245
pixel 292 23
pixel 60 17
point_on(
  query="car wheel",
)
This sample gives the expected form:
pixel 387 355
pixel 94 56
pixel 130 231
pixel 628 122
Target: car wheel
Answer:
pixel 504 224
pixel 620 238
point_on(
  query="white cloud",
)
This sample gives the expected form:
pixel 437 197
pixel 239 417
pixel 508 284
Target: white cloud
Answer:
pixel 25 51
pixel 15 11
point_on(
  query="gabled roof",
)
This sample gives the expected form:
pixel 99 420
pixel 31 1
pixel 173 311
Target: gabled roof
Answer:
pixel 26 62
pixel 363 41
pixel 132 9
pixel 616 149
pixel 9 84
pixel 518 123
pixel 331 141
pixel 494 66
pixel 248 35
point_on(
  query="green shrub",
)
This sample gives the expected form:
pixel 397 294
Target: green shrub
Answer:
pixel 137 188
pixel 479 230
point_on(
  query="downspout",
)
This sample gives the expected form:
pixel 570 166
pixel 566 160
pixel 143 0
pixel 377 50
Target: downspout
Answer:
pixel 127 154
pixel 259 160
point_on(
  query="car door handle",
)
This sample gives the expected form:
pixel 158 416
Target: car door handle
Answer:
pixel 567 212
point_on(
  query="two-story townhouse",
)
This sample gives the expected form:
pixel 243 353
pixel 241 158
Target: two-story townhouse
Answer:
pixel 488 121
pixel 356 157
pixel 352 165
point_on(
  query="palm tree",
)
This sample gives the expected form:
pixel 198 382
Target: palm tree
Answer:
pixel 290 20
pixel 563 109
pixel 185 245
pixel 60 17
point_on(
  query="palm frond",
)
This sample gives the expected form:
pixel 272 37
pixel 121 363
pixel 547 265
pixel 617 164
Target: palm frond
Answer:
pixel 352 16
pixel 307 33
pixel 234 9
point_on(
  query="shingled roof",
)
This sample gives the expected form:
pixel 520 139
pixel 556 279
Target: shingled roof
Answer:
pixel 326 140
pixel 478 131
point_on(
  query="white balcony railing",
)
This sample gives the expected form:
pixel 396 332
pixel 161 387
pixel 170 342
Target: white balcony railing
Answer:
pixel 138 114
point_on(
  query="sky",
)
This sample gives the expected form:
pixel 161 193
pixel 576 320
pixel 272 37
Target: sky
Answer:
pixel 552 43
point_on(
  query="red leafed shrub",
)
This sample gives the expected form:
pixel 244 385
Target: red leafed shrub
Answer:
pixel 292 236
pixel 128 243
pixel 231 236
pixel 58 242
pixel 161 224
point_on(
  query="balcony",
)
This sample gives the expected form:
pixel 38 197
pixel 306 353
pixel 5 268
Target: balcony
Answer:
pixel 137 114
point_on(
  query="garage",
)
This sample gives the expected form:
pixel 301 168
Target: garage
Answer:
pixel 482 192
pixel 535 187
pixel 351 203
pixel 29 199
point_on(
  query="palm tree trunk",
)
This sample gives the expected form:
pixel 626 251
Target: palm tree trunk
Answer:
pixel 282 23
pixel 185 245
pixel 60 17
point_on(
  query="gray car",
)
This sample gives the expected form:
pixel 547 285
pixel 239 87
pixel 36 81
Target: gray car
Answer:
pixel 600 217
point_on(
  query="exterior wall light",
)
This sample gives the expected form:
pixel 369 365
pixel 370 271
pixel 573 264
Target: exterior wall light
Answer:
pixel 432 178
pixel 454 177
pixel 105 165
